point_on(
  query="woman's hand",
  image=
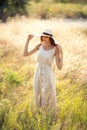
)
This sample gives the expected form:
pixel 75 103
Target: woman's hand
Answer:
pixel 30 36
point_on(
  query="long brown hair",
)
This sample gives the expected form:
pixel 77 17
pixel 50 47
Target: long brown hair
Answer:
pixel 51 41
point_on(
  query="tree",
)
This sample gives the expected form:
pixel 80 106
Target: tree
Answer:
pixel 9 8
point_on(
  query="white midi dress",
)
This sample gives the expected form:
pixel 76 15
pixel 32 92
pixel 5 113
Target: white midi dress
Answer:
pixel 44 82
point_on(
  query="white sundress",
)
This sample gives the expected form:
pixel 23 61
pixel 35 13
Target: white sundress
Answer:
pixel 44 82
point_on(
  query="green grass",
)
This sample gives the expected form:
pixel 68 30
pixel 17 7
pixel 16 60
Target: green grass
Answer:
pixel 18 111
pixel 71 105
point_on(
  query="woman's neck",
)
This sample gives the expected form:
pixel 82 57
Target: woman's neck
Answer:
pixel 47 44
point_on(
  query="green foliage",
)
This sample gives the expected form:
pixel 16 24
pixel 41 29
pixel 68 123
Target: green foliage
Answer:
pixel 9 8
pixel 72 110
pixel 72 105
pixel 58 10
pixel 10 122
pixel 64 1
pixel 5 105
pixel 12 78
pixel 32 118
pixel 71 114
pixel 41 8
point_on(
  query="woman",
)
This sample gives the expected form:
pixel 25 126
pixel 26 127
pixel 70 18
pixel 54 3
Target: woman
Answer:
pixel 44 83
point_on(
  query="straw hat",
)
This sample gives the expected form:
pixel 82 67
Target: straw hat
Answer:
pixel 47 33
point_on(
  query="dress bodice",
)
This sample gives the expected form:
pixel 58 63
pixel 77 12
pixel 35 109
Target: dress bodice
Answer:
pixel 45 56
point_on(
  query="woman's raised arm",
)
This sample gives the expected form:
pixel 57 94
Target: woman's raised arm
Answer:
pixel 32 51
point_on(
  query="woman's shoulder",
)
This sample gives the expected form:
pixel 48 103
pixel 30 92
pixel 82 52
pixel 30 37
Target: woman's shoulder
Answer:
pixel 58 47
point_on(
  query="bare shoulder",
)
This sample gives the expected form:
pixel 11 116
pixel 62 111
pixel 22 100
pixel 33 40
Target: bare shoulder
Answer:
pixel 58 48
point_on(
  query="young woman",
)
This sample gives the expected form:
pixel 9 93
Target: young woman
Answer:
pixel 44 82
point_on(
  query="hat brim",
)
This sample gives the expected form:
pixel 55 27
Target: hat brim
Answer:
pixel 39 35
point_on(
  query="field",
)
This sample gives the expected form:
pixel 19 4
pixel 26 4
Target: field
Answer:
pixel 17 108
pixel 49 9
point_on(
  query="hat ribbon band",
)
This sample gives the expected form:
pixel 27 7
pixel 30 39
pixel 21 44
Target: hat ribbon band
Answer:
pixel 47 34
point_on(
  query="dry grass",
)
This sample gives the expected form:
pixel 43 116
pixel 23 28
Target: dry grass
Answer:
pixel 16 75
pixel 68 33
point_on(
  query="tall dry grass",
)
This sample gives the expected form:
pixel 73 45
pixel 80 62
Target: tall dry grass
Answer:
pixel 17 110
pixel 68 33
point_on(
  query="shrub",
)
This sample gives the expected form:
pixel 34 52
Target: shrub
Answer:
pixel 12 78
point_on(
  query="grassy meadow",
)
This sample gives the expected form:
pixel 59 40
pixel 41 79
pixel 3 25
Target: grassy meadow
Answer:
pixel 17 108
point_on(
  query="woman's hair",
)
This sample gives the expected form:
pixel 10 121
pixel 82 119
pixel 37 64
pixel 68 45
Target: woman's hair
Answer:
pixel 51 41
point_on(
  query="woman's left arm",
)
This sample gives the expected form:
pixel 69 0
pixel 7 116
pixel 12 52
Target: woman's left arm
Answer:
pixel 59 57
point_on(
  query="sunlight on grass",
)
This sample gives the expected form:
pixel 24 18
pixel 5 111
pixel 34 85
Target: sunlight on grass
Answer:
pixel 17 108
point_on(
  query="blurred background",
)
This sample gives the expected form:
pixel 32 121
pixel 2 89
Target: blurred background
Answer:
pixel 43 9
